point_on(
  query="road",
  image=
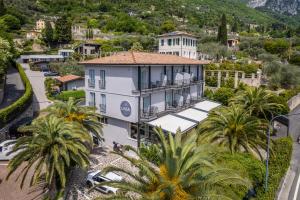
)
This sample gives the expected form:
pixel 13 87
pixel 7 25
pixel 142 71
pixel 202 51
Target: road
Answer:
pixel 14 88
pixel 10 189
pixel 36 78
pixel 295 166
pixel 291 186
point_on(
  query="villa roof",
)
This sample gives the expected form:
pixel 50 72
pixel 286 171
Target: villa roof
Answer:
pixel 68 78
pixel 143 58
pixel 177 33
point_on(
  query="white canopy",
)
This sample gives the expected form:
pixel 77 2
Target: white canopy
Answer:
pixel 194 114
pixel 207 105
pixel 173 123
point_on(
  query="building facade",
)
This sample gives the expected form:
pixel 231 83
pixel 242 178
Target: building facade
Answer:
pixel 88 49
pixel 132 89
pixel 178 43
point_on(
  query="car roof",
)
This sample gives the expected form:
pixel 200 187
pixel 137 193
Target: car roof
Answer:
pixel 113 176
pixel 7 141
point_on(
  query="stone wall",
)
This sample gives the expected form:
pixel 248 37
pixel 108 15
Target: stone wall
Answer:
pixel 294 102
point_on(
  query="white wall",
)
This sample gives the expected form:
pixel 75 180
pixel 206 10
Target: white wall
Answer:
pixel 78 84
pixel 118 131
pixel 184 50
pixel 119 87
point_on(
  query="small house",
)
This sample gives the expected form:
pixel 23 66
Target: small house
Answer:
pixel 232 43
pixel 66 53
pixel 70 82
pixel 88 49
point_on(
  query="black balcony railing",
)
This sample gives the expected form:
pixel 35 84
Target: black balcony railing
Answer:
pixel 149 113
pixel 101 84
pixel 91 83
pixel 102 108
pixel 92 104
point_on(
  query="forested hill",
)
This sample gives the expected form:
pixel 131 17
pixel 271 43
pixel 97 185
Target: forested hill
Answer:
pixel 150 14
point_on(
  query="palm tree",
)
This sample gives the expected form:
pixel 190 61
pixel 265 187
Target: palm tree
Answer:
pixel 71 111
pixel 186 171
pixel 234 128
pixel 49 152
pixel 258 101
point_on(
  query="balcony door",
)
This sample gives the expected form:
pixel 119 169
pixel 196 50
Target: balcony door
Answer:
pixel 169 99
pixel 146 104
pixel 169 75
pixel 144 78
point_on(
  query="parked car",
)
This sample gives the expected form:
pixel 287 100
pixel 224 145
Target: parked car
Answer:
pixel 51 74
pixel 5 148
pixel 96 177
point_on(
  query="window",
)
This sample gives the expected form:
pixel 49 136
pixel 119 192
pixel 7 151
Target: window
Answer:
pixel 103 103
pixel 103 120
pixel 92 101
pixel 169 42
pixel 174 42
pixel 102 79
pixel 177 41
pixel 133 131
pixel 162 42
pixel 176 53
pixel 91 80
pixel 169 99
pixel 184 41
pixel 146 104
pixel 93 51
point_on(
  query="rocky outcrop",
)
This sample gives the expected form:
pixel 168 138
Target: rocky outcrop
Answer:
pixel 291 7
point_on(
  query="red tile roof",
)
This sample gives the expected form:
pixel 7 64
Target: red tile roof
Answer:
pixel 143 58
pixel 68 78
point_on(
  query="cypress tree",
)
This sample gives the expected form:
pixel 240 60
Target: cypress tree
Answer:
pixel 63 30
pixel 2 8
pixel 234 27
pixel 222 33
pixel 48 33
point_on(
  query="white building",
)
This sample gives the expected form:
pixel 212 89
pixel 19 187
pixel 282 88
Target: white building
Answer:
pixel 178 43
pixel 137 91
pixel 66 53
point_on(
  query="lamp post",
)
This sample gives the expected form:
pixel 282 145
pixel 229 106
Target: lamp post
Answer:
pixel 270 125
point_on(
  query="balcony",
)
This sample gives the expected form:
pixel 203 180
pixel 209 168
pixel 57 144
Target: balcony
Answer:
pixel 171 107
pixel 102 108
pixel 101 84
pixel 149 114
pixel 91 83
pixel 92 104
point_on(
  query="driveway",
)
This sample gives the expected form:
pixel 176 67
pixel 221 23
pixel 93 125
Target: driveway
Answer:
pixel 14 88
pixel 36 78
pixel 10 189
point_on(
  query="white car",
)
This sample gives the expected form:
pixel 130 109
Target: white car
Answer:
pixel 5 148
pixel 97 177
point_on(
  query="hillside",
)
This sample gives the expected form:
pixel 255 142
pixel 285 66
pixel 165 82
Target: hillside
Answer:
pixel 148 14
pixel 291 7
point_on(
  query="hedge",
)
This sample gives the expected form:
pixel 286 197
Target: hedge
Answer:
pixel 246 166
pixel 278 166
pixel 65 95
pixel 15 109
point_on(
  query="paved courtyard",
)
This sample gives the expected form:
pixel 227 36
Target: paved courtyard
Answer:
pixel 100 159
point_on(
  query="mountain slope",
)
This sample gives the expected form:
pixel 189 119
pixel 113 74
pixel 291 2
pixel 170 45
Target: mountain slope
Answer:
pixel 291 7
pixel 188 14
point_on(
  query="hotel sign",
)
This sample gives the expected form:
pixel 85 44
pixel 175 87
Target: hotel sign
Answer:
pixel 125 108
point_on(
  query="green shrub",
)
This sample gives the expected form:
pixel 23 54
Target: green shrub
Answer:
pixel 211 81
pixel 223 95
pixel 65 95
pixel 15 109
pixel 246 166
pixel 277 46
pixel 278 165
pixel 151 153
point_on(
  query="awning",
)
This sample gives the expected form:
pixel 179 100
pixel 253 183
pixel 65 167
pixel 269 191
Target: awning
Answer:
pixel 186 119
pixel 172 123
pixel 193 114
pixel 206 105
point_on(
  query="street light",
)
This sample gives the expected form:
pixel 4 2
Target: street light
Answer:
pixel 270 125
